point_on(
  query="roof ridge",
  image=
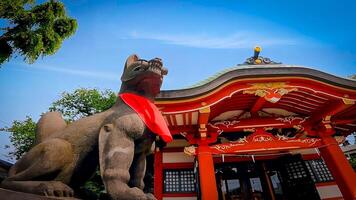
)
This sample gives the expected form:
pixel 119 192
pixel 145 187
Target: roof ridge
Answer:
pixel 229 69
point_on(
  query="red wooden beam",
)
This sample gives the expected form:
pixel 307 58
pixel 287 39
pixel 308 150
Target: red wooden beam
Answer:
pixel 242 124
pixel 158 174
pixel 237 158
pixel 207 180
pixel 263 142
pixel 178 165
pixel 268 146
pixel 339 166
pixel 203 117
pixel 186 194
pixel 173 149
pixel 334 108
pixel 343 121
pixel 176 130
pixel 257 106
pixel 239 125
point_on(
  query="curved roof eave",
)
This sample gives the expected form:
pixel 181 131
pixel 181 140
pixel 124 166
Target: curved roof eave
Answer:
pixel 248 71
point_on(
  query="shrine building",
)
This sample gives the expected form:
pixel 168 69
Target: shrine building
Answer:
pixel 260 130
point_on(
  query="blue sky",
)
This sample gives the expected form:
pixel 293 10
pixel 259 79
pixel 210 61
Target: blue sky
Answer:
pixel 195 39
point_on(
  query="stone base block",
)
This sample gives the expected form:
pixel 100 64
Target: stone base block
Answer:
pixel 14 195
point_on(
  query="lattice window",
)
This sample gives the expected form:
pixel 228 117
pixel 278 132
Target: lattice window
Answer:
pixel 319 171
pixel 179 181
pixel 296 170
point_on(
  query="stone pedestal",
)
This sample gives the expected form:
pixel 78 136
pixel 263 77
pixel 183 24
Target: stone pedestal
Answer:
pixel 13 195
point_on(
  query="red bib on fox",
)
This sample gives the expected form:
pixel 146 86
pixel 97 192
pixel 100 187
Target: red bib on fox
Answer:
pixel 149 114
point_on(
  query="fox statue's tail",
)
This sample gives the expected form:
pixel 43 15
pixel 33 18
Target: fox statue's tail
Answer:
pixel 49 123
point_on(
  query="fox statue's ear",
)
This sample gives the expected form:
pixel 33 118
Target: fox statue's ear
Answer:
pixel 131 59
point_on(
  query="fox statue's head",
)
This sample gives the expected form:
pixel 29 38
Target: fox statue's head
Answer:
pixel 143 77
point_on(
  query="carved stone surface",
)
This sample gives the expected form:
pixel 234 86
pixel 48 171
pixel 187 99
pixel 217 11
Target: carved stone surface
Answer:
pixel 65 156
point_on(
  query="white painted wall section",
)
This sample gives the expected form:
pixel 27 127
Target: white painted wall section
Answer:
pixel 177 157
pixel 329 191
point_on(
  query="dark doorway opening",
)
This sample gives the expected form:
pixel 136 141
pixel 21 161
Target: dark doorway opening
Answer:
pixel 279 179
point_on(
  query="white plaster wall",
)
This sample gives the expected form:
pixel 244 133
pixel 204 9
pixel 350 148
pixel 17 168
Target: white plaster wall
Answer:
pixel 179 198
pixel 305 151
pixel 329 191
pixel 176 157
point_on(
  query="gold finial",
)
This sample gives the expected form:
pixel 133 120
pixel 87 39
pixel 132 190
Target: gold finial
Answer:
pixel 256 59
pixel 258 48
pixel 257 52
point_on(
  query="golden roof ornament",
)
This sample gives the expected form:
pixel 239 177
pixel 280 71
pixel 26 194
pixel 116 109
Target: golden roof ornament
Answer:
pixel 259 60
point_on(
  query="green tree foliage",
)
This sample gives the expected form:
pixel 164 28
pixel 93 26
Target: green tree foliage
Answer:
pixel 22 136
pixel 83 102
pixel 73 105
pixel 353 162
pixel 33 30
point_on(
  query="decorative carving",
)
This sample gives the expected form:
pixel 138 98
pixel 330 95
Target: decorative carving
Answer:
pixel 263 141
pixel 271 91
pixel 223 147
pixel 348 101
pixel 251 125
pixel 259 60
pixel 242 140
pixel 225 123
pixel 268 85
pixel 205 109
pixel 190 150
pixel 340 139
pixel 184 134
pixel 268 128
pixel 309 141
pixel 249 130
pixel 262 138
pixel 326 122
pixel 290 119
pixel 219 131
pixel 300 131
pixel 282 137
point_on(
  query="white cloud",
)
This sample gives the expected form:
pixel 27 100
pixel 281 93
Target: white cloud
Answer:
pixel 233 41
pixel 76 72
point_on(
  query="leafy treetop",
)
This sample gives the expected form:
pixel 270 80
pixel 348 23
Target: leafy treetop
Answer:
pixel 83 102
pixel 22 136
pixel 33 30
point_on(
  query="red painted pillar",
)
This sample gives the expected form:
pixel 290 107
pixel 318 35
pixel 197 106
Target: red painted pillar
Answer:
pixel 207 173
pixel 339 166
pixel 158 174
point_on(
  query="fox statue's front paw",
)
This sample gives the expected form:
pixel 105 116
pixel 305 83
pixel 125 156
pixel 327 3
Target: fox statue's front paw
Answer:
pixel 54 188
pixel 150 196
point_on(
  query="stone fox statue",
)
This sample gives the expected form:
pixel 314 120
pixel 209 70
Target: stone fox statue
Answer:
pixel 65 156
